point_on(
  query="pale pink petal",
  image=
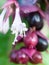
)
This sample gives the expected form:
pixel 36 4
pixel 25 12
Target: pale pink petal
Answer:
pixel 8 13
pixel 7 4
pixel 16 4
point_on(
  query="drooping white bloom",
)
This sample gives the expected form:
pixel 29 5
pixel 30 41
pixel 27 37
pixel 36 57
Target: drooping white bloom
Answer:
pixel 4 25
pixel 1 19
pixel 18 27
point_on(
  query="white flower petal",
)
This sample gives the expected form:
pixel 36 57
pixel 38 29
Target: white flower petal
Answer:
pixel 1 19
pixel 18 28
pixel 5 26
pixel 2 14
pixel 15 40
pixel 17 20
pixel 1 24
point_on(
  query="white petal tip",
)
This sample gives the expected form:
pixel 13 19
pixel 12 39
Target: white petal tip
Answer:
pixel 13 43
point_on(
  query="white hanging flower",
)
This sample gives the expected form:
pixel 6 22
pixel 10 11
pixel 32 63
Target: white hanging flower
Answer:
pixel 1 19
pixel 4 25
pixel 18 27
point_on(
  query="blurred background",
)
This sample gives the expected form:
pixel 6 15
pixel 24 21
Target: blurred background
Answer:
pixel 6 44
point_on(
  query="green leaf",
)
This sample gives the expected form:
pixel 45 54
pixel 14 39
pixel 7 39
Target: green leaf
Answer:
pixel 2 2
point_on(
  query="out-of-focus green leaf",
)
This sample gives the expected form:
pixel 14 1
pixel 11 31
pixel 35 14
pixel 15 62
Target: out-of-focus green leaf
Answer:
pixel 2 2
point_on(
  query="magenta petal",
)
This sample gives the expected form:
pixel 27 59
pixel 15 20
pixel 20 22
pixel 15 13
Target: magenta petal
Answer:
pixel 34 8
pixel 28 9
pixel 41 35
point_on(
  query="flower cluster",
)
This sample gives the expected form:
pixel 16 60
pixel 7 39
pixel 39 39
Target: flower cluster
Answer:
pixel 33 39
